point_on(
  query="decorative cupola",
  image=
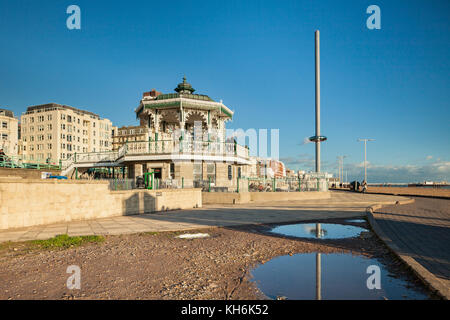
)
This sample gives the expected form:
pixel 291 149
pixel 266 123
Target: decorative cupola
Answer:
pixel 184 87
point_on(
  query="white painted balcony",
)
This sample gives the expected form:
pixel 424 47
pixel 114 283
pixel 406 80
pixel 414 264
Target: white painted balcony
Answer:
pixel 171 147
pixel 145 150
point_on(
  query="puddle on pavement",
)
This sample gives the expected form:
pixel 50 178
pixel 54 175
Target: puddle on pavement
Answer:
pixel 318 230
pixel 329 276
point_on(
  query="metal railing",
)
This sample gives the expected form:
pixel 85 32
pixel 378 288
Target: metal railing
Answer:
pixel 158 147
pixel 21 161
pixel 87 157
pixel 122 184
pixel 242 184
pixel 282 184
pixel 185 147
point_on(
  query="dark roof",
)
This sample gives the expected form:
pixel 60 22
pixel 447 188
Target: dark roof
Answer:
pixel 7 113
pixel 59 106
pixel 184 95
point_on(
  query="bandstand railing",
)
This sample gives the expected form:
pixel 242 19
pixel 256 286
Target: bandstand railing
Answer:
pixel 158 147
pixel 185 147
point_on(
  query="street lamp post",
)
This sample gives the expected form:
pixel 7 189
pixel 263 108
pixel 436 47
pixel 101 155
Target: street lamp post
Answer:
pixel 365 156
pixel 341 168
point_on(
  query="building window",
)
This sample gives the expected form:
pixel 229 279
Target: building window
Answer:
pixel 230 173
pixel 172 170
pixel 5 125
pixel 198 172
pixel 211 172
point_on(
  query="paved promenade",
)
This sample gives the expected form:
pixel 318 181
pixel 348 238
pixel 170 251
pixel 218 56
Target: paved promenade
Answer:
pixel 420 233
pixel 340 205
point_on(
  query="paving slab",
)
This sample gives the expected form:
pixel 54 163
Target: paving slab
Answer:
pixel 419 233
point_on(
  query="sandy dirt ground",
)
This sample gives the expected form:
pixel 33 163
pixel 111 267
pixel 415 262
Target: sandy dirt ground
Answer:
pixel 161 266
pixel 411 191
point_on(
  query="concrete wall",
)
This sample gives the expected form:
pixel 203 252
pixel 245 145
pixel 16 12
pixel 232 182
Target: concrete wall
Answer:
pixel 24 173
pixel 246 197
pixel 25 202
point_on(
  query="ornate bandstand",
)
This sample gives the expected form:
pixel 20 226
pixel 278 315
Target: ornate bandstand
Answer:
pixel 185 141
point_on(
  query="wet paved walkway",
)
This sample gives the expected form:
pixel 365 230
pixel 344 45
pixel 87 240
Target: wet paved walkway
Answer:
pixel 340 205
pixel 420 233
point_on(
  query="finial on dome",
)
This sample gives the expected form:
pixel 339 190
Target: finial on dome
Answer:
pixel 184 87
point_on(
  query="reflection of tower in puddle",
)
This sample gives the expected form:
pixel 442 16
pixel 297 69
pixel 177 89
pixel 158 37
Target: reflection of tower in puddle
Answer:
pixel 318 268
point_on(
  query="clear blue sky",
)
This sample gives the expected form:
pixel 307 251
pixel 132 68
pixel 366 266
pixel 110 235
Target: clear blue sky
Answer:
pixel 258 56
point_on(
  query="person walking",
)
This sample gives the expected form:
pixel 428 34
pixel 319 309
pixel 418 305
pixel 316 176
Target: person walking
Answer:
pixel 364 186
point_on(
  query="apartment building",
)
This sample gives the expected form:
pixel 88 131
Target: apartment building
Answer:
pixel 53 132
pixel 9 132
pixel 126 134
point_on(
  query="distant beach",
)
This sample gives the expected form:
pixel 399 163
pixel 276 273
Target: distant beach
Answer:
pixel 443 191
